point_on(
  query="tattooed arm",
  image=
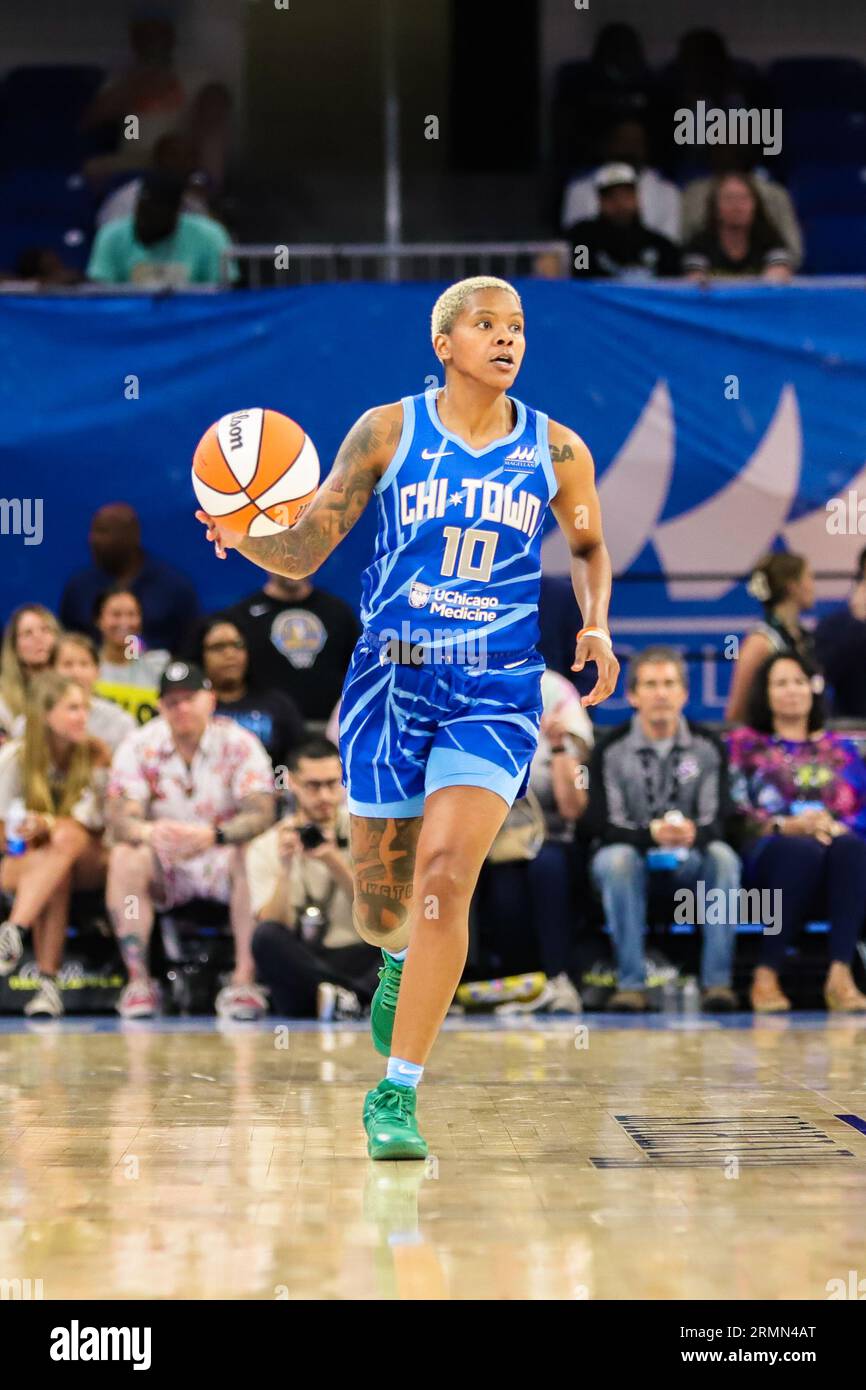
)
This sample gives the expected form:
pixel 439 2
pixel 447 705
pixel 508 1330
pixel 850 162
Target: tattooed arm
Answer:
pixel 128 820
pixel 577 510
pixel 298 551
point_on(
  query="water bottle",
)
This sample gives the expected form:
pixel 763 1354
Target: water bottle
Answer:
pixel 14 825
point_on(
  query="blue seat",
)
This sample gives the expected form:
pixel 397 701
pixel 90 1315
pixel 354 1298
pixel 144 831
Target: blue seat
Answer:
pixel 70 242
pixel 50 89
pixel 818 84
pixel 835 244
pixel 41 192
pixel 822 188
pixel 823 137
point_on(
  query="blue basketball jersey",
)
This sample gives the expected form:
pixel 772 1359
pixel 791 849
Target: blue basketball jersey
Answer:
pixel 458 543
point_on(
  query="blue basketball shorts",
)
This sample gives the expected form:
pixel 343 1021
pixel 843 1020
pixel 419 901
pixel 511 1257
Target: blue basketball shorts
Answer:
pixel 406 731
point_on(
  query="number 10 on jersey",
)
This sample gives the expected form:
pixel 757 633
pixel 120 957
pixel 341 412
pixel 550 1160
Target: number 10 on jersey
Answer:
pixel 465 542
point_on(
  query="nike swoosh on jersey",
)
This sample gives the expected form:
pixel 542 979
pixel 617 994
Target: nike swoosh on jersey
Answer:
pixel 436 453
pixel 510 665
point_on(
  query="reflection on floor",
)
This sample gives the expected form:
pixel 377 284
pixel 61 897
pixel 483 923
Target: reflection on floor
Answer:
pixel 620 1158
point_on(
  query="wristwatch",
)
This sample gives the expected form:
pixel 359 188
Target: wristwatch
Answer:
pixel 219 835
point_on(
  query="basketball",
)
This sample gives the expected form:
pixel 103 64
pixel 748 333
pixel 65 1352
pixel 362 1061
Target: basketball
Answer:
pixel 256 471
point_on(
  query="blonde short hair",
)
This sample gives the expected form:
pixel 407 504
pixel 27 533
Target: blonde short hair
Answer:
pixel 453 300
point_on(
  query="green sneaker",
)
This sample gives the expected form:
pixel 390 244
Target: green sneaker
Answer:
pixel 389 1119
pixel 384 1005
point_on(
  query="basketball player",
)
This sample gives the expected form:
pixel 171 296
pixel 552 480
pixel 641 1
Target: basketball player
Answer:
pixel 441 703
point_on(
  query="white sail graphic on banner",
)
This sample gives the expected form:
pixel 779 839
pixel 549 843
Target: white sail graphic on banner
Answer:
pixel 726 534
pixel 811 535
pixel 632 491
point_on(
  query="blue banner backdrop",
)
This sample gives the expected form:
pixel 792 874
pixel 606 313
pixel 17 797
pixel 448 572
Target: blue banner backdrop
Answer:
pixel 721 423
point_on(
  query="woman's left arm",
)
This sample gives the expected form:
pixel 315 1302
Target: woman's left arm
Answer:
pixel 577 510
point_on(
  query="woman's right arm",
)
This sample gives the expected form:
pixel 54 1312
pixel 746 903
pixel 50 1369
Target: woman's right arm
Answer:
pixel 301 549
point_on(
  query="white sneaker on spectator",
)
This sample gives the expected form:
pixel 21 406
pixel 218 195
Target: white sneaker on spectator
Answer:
pixel 334 1003
pixel 46 1002
pixel 558 996
pixel 11 947
pixel 138 999
pixel 244 1003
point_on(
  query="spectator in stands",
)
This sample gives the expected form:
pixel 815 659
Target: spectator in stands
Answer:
pixel 149 89
pixel 774 198
pixel 173 154
pixel 658 198
pixel 616 243
pixel 43 266
pixel 169 603
pixel 658 803
pixel 160 245
pixel 785 585
pixel 840 646
pixel 306 949
pixel 186 794
pixel 300 640
pixel 615 85
pixel 128 673
pixel 703 70
pixel 739 238
pixel 29 644
pixel 528 887
pixel 58 772
pixel 269 714
pixel 76 658
pixel 801 793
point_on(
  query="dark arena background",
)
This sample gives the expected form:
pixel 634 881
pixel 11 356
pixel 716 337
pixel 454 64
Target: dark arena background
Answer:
pixel 650 1087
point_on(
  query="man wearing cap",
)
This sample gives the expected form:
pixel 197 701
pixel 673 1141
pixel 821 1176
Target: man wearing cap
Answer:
pixel 186 794
pixel 616 244
pixel 160 245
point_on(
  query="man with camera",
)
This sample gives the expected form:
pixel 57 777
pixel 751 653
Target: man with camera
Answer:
pixel 305 946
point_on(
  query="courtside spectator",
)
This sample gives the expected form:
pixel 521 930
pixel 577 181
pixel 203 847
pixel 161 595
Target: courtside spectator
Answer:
pixel 57 772
pixel 739 238
pixel 300 640
pixel 306 949
pixel 616 244
pixel 169 603
pixel 29 644
pixel 159 245
pixel 801 793
pixel 658 198
pixel 535 896
pixel 186 794
pixel 41 265
pixel 785 585
pixel 269 714
pixel 840 646
pixel 173 154
pixel 128 673
pixel 774 197
pixel 702 70
pixel 76 658
pixel 658 804
pixel 207 125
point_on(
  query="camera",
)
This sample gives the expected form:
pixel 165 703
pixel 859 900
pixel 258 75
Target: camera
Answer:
pixel 310 836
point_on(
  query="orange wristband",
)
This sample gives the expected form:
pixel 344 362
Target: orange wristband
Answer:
pixel 596 632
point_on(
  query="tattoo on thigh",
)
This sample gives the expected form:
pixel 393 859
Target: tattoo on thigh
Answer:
pixel 384 857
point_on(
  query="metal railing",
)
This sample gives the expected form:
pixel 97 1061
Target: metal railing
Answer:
pixel 282 265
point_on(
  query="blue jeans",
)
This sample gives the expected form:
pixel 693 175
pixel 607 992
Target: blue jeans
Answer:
pixel 621 874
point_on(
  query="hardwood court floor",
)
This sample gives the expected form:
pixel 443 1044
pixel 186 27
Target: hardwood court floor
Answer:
pixel 671 1159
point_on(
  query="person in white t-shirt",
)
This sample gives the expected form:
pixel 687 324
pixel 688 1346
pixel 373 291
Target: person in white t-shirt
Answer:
pixel 658 198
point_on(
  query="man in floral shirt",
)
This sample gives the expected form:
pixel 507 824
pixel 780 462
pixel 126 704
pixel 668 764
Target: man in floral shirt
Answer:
pixel 186 794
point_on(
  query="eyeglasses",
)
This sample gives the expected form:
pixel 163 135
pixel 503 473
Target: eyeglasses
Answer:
pixel 233 646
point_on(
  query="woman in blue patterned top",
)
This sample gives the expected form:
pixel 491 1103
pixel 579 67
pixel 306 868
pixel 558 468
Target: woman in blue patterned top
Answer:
pixel 801 793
